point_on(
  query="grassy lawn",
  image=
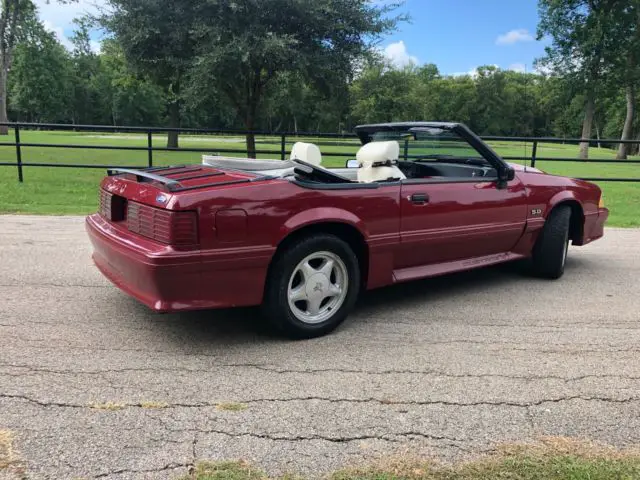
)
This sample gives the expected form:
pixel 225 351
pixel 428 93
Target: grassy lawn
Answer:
pixel 556 460
pixel 74 190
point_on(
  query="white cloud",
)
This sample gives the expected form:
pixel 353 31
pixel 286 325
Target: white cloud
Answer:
pixel 518 67
pixel 58 18
pixel 63 14
pixel 472 73
pixel 542 69
pixel 398 55
pixel 58 32
pixel 514 36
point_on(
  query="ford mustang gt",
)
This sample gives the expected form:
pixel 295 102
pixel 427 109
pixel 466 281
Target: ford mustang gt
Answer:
pixel 303 241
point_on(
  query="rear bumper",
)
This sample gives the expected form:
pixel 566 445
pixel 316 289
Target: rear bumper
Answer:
pixel 168 280
pixel 594 225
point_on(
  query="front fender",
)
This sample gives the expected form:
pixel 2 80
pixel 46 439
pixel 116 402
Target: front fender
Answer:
pixel 563 196
pixel 322 215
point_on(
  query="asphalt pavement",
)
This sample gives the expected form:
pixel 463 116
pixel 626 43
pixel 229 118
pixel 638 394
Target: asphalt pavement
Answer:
pixel 94 385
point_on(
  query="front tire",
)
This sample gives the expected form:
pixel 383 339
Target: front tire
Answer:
pixel 312 286
pixel 550 251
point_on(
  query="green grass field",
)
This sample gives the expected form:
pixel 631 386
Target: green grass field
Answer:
pixel 74 190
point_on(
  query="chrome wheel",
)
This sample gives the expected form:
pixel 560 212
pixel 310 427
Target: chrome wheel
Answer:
pixel 318 287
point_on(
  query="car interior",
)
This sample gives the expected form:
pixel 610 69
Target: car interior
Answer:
pixel 378 161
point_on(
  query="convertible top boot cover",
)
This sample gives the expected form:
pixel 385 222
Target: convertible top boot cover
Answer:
pixel 276 168
pixel 374 161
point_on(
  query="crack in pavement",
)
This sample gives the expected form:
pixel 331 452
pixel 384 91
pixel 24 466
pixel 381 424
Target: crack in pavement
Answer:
pixel 503 346
pixel 170 466
pixel 503 403
pixel 300 438
pixel 277 370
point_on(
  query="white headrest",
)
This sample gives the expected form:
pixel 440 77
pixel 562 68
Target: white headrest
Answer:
pixel 307 152
pixel 378 152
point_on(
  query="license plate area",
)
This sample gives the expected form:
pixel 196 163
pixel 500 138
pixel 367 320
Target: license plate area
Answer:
pixel 112 207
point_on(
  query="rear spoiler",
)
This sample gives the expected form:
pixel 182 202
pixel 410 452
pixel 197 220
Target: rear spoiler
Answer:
pixel 142 175
pixel 174 185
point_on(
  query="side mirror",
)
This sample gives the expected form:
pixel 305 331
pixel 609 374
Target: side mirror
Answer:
pixel 511 174
pixel 352 164
pixel 506 176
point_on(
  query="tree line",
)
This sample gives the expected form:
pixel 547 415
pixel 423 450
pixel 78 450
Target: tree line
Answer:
pixel 298 65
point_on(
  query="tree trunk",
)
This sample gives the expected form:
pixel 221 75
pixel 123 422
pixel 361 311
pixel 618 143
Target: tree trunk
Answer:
pixel 598 133
pixel 249 123
pixel 251 145
pixel 4 129
pixel 623 148
pixel 174 122
pixel 587 126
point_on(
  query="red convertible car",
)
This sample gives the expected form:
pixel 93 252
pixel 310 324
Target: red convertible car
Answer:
pixel 303 240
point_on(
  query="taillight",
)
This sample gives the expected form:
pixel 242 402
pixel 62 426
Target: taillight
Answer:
pixel 165 226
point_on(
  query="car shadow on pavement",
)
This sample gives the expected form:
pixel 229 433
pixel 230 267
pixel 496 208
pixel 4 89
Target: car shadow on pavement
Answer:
pixel 442 287
pixel 246 326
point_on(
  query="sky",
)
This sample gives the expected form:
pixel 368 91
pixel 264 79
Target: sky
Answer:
pixel 456 35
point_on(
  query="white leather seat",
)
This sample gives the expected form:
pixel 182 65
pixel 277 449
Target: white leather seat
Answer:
pixel 375 160
pixel 307 152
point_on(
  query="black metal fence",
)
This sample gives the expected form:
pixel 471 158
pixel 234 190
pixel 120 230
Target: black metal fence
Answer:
pixel 279 138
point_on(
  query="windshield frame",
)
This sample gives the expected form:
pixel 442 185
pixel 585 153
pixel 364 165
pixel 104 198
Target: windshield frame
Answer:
pixel 365 133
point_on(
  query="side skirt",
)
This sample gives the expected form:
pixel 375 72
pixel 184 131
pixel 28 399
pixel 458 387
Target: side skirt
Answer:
pixel 425 271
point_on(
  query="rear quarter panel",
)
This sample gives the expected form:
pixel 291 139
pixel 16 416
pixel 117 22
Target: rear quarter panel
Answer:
pixel 262 214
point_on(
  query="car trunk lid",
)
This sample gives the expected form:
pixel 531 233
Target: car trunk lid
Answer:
pixel 144 201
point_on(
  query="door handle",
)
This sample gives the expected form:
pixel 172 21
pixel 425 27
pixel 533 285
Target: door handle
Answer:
pixel 419 198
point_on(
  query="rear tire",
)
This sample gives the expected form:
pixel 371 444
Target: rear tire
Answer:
pixel 312 286
pixel 550 251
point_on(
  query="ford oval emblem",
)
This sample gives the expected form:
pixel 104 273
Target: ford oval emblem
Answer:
pixel 161 198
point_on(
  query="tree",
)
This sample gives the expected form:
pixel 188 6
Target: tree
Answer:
pixel 627 67
pixel 16 20
pixel 41 82
pixel 90 87
pixel 245 45
pixel 382 93
pixel 584 39
pixel 133 100
pixel 157 43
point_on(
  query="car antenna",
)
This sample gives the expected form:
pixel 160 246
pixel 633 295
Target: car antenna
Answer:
pixel 526 100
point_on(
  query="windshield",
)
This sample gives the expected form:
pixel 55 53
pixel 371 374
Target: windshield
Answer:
pixel 429 143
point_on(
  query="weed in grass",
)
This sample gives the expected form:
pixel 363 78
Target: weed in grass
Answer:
pixel 231 407
pixel 226 471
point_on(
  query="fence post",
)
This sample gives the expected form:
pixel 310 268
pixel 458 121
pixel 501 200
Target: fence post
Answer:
pixel 534 152
pixel 150 148
pixel 406 150
pixel 18 154
pixel 283 153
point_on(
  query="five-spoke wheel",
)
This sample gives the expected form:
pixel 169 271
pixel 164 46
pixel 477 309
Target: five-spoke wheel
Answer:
pixel 312 286
pixel 317 287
